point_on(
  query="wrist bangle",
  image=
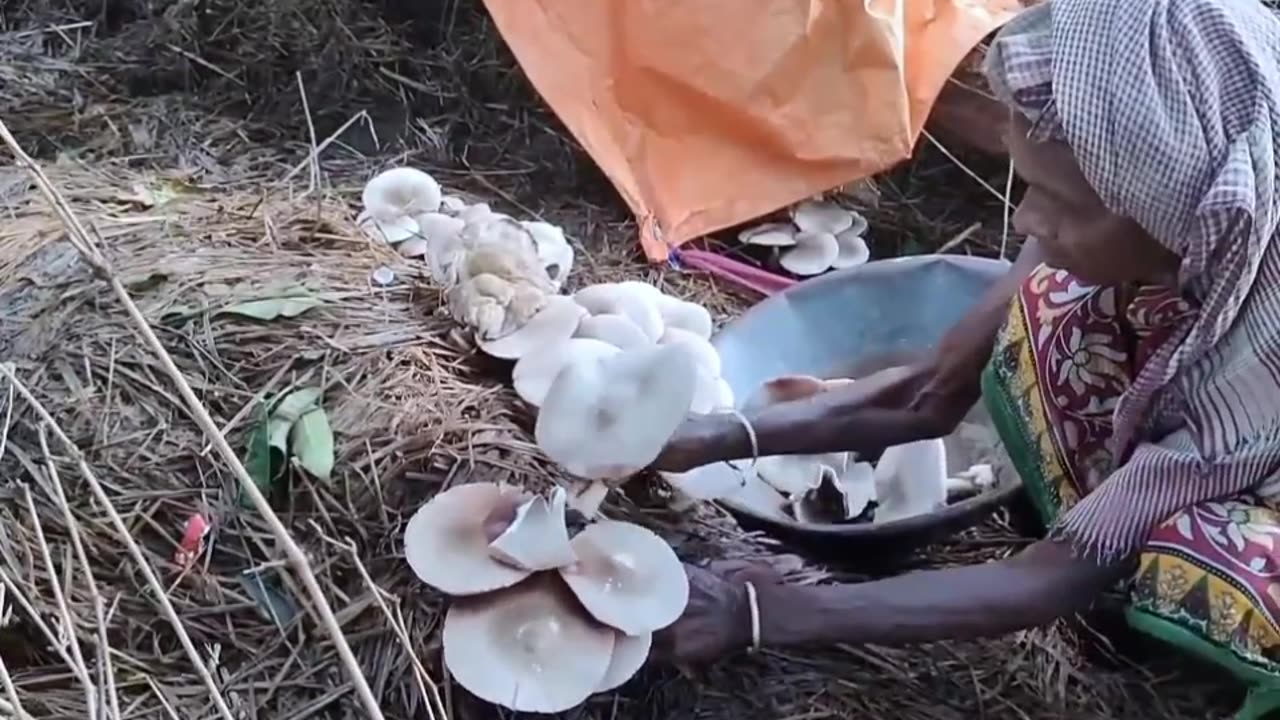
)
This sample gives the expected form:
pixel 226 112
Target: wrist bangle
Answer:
pixel 753 605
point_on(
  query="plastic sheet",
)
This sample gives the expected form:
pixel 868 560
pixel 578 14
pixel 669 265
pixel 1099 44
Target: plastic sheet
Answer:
pixel 707 113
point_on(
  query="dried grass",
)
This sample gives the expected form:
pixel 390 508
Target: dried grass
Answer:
pixel 197 104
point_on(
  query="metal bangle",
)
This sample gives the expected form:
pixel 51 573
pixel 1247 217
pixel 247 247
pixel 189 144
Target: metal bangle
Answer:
pixel 753 604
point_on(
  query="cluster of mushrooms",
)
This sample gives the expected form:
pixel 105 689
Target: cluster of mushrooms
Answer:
pixel 907 480
pixel 821 236
pixel 541 621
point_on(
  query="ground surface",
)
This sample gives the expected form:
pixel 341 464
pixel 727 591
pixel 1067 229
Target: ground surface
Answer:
pixel 178 135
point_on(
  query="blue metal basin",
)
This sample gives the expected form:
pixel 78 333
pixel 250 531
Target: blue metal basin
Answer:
pixel 848 323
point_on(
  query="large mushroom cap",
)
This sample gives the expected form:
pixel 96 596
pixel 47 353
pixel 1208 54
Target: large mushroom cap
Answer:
pixel 534 373
pixel 610 417
pixel 627 577
pixel 911 479
pixel 685 315
pixel 556 321
pixel 822 217
pixel 401 191
pixel 447 544
pixel 613 328
pixel 629 654
pixel 813 254
pixel 708 482
pixel 529 648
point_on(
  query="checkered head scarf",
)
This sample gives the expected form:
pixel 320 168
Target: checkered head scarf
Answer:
pixel 1171 107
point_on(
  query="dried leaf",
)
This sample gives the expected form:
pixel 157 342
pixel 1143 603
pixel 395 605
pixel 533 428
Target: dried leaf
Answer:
pixel 273 308
pixel 312 440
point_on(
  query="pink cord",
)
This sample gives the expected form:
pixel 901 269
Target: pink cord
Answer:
pixel 734 271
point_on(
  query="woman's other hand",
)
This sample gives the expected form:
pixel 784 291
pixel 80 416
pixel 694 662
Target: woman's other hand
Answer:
pixel 717 621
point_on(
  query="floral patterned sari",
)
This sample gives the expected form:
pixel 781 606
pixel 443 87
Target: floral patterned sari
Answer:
pixel 1208 580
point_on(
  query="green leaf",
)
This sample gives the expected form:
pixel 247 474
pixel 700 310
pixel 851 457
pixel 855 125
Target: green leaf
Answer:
pixel 312 440
pixel 286 413
pixel 262 461
pixel 272 308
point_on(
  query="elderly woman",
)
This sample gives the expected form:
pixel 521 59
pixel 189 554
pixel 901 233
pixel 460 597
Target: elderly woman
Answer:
pixel 1131 358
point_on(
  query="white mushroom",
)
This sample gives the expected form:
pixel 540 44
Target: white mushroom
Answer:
pixel 629 654
pixel 395 197
pixel 556 321
pixel 703 352
pixel 478 211
pixel 797 474
pixel 447 545
pixel 537 539
pixel 708 482
pixel 613 328
pixel 627 577
pixel 637 301
pixel 492 305
pixel 536 371
pixel 393 230
pixel 968 483
pixel 554 249
pixel 441 234
pixel 529 648
pixel 724 395
pixel 821 217
pixel 586 496
pixel 706 389
pixel 610 417
pixel 452 204
pixel 853 250
pixel 813 254
pixel 769 235
pixel 911 479
pixel 685 315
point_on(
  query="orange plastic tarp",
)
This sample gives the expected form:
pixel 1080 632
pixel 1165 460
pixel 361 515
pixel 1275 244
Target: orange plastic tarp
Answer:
pixel 707 113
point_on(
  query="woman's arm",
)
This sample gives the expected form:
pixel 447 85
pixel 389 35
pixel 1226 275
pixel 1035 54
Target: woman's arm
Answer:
pixel 921 400
pixel 1042 583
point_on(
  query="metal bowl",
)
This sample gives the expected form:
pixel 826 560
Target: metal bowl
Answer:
pixel 848 323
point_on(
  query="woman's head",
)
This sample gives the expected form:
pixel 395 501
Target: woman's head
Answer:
pixel 1152 122
pixel 1076 230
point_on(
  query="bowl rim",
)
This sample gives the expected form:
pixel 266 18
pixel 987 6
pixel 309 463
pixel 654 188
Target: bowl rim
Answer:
pixel 1006 487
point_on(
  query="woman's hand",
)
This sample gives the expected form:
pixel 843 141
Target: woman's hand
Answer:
pixel 717 621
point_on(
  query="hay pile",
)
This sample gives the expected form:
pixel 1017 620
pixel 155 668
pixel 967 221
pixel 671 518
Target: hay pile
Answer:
pixel 177 137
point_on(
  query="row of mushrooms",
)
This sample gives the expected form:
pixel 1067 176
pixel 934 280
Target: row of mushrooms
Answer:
pixel 822 235
pixel 541 621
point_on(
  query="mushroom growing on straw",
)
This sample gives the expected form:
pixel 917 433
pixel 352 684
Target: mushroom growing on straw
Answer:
pixel 392 200
pixel 544 621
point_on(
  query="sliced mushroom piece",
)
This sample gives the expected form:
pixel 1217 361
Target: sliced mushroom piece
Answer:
pixel 401 192
pixel 911 479
pixel 813 254
pixel 609 417
pixel 859 483
pixel 685 315
pixel 629 654
pixel 707 482
pixel 852 250
pixel 613 328
pixel 530 648
pixel 414 247
pixel 821 217
pixel 760 496
pixel 782 389
pixel 704 353
pixel 824 504
pixel 537 539
pixel 793 475
pixel 556 321
pixel 769 235
pixel 536 370
pixel 627 577
pixel 446 542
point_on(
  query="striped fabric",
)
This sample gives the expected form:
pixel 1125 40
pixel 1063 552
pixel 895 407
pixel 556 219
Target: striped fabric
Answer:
pixel 1171 108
